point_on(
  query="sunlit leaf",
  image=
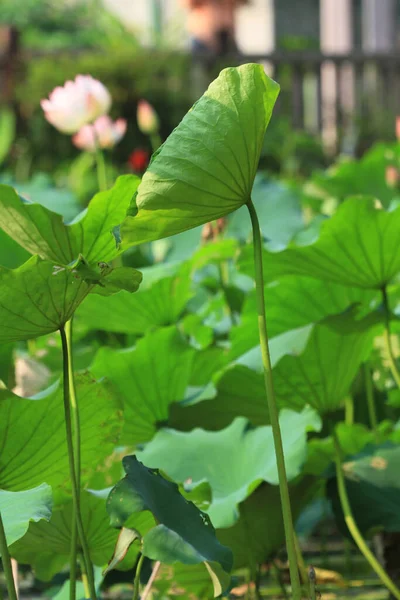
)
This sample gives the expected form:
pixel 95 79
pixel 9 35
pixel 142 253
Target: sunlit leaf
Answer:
pixel 18 509
pixel 46 546
pixel 37 298
pixel 207 166
pixel 149 378
pixel 156 304
pixel 322 374
pixel 33 439
pixel 358 247
pixel 43 232
pixel 234 461
pixel 293 302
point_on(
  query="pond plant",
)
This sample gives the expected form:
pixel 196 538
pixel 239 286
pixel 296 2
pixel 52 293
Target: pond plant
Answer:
pixel 192 408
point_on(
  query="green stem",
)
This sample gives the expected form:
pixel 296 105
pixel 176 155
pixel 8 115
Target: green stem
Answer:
pixel 101 171
pixel 312 581
pixel 6 561
pixel 137 578
pixel 280 581
pixel 84 576
pixel 71 460
pixel 388 343
pixel 272 406
pixel 352 526
pixel 301 562
pixel 349 410
pixel 77 456
pixel 100 164
pixel 152 579
pixel 369 390
pixel 155 141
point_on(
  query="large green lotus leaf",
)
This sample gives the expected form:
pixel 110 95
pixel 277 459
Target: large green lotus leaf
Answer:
pixel 37 298
pixel 240 392
pixel 7 365
pixel 149 378
pixel 40 297
pixel 323 373
pixel 46 546
pixel 12 255
pixel 234 460
pixel 294 302
pixel 184 533
pixel 373 486
pixel 18 509
pixel 43 232
pixel 358 247
pixel 33 439
pixel 206 168
pixel 259 534
pixel 157 305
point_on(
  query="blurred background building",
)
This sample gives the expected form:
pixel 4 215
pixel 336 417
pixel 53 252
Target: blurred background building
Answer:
pixel 337 62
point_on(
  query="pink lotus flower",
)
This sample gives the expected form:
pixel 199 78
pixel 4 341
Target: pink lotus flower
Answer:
pixel 398 128
pixel 76 103
pixel 147 118
pixel 104 133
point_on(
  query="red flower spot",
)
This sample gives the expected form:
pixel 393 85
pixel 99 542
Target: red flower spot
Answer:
pixel 138 160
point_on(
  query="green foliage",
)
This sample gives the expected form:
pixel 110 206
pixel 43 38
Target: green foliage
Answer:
pixel 357 247
pixel 33 435
pixel 46 546
pixel 207 162
pixel 19 508
pixel 149 378
pixel 183 533
pixel 371 480
pixel 7 132
pixel 234 460
pixel 178 365
pixel 43 232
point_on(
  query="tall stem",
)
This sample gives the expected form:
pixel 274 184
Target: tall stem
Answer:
pixel 152 579
pixel 137 578
pixel 272 406
pixel 312 580
pixel 71 459
pixel 77 456
pixel 352 526
pixel 369 390
pixel 6 561
pixel 85 580
pixel 388 343
pixel 100 163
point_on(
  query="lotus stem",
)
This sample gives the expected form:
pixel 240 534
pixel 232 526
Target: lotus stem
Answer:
pixel 386 336
pixel 85 580
pixel 71 459
pixel 6 562
pixel 77 456
pixel 100 163
pixel 152 579
pixel 312 581
pixel 272 406
pixel 353 528
pixel 136 585
pixel 369 390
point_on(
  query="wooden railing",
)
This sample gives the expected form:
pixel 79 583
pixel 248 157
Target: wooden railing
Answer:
pixel 341 96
